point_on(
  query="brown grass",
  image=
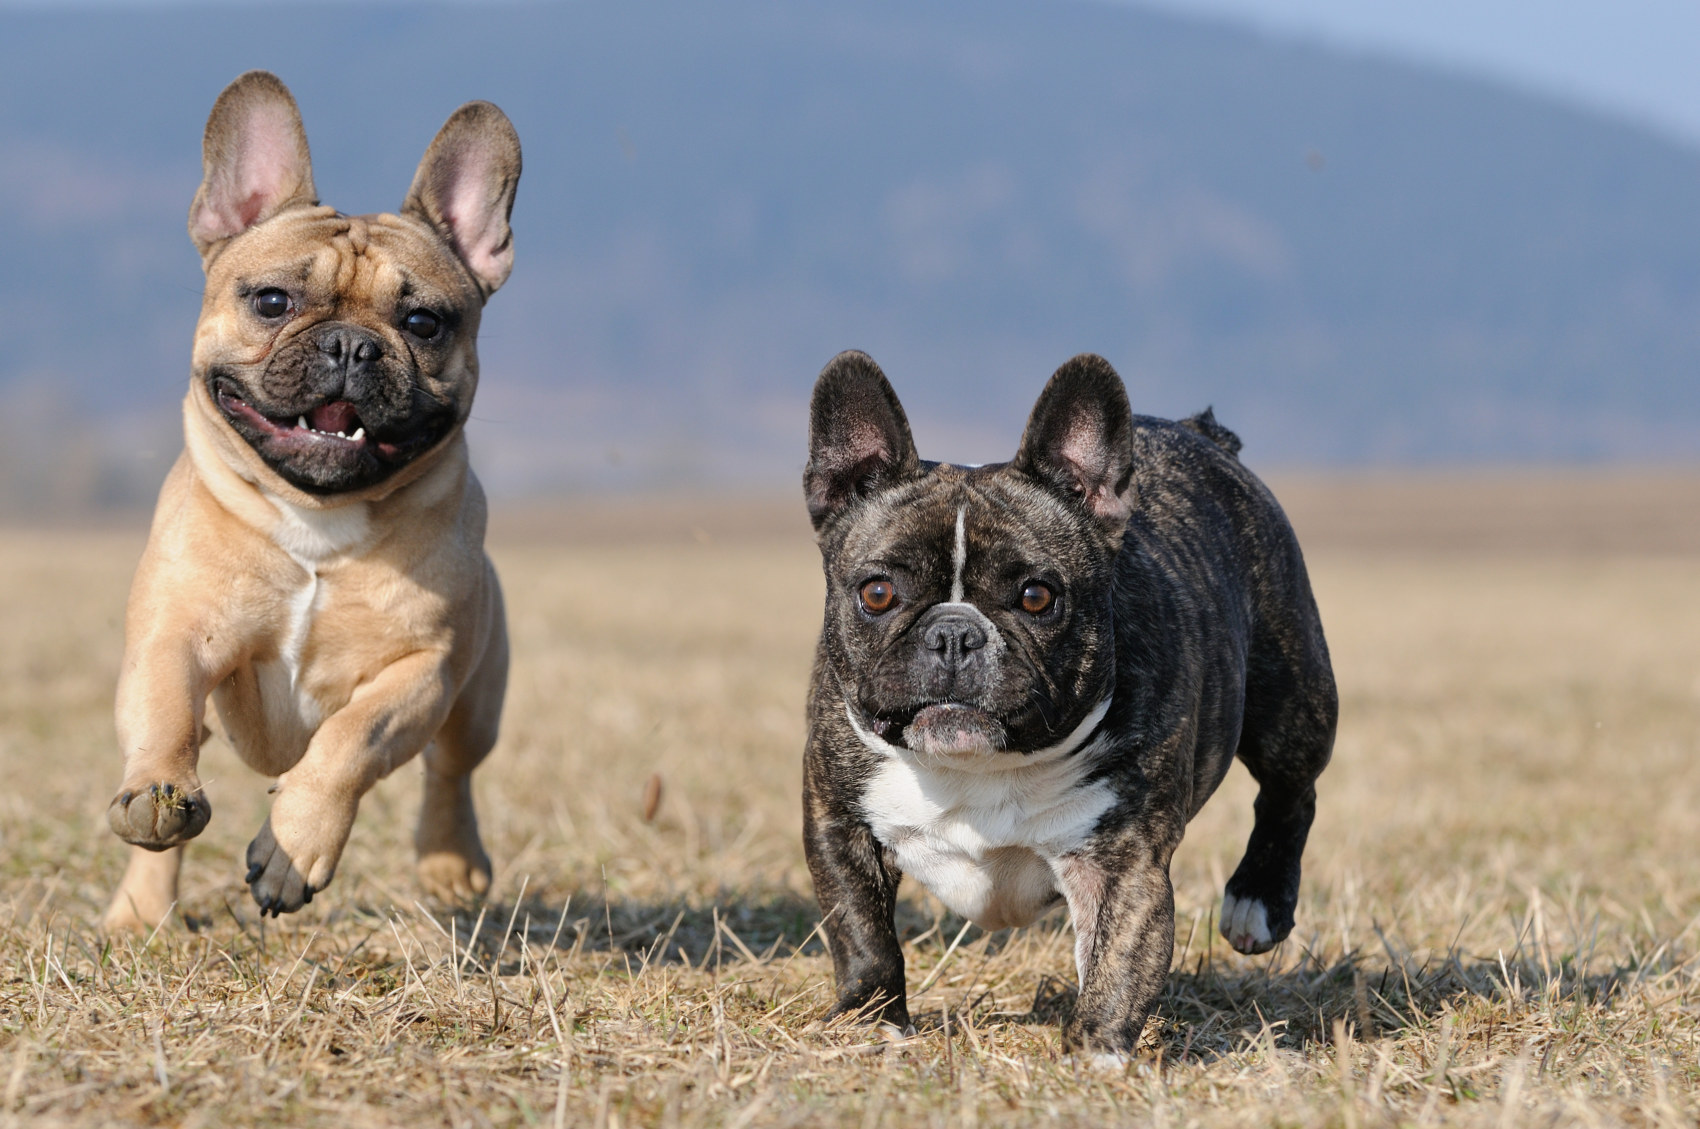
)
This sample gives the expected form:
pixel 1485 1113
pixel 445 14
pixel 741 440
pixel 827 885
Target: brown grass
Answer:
pixel 1499 925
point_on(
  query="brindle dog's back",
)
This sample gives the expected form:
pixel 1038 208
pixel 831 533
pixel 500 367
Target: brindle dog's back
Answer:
pixel 1207 525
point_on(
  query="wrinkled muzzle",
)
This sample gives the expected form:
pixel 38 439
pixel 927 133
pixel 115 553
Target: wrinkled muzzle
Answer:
pixel 940 689
pixel 332 409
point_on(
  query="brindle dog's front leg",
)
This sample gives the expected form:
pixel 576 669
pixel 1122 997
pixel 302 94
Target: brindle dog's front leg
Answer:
pixel 857 890
pixel 1127 942
pixel 384 725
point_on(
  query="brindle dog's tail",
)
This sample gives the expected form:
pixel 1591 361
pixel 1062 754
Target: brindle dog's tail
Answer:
pixel 1205 424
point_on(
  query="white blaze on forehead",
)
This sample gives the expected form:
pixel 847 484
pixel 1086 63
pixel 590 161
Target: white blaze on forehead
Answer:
pixel 959 555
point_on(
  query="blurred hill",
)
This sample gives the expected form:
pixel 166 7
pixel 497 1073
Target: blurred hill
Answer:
pixel 1355 261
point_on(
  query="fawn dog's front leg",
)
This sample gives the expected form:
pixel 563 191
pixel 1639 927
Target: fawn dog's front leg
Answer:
pixel 384 725
pixel 162 693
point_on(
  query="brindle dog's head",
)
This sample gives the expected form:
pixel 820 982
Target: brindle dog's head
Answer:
pixel 968 610
pixel 342 349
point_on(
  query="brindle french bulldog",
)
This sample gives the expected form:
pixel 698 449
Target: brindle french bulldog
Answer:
pixel 1032 675
pixel 316 564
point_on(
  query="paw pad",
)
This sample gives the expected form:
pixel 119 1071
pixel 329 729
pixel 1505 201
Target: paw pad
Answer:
pixel 159 816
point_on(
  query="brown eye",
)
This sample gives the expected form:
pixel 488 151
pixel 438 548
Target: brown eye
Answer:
pixel 879 596
pixel 1036 599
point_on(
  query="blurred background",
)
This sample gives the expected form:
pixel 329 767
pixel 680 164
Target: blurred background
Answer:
pixel 1415 234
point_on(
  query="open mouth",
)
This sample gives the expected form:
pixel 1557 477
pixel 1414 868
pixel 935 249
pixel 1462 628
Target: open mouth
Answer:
pixel 334 427
pixel 336 421
pixel 329 448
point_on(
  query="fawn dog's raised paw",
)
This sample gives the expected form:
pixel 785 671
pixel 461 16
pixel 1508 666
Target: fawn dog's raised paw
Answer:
pixel 159 816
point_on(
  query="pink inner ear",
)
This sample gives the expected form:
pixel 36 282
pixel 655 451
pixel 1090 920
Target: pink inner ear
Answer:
pixel 247 211
pixel 267 171
pixel 1083 451
pixel 864 443
pixel 471 215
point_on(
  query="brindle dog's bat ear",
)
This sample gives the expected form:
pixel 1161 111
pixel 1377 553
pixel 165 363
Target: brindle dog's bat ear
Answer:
pixel 255 161
pixel 1079 440
pixel 858 436
pixel 465 189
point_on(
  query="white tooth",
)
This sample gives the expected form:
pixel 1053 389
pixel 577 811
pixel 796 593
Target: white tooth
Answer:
pixel 359 434
pixel 301 422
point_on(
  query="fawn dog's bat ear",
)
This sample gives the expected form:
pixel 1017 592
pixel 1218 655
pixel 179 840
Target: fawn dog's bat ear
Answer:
pixel 254 160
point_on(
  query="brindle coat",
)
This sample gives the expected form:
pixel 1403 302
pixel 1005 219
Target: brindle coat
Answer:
pixel 1018 758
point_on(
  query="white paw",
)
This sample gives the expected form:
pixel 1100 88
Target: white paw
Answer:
pixel 1245 923
pixel 1100 1062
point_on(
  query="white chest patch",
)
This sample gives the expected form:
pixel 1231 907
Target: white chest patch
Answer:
pixel 311 538
pixel 318 535
pixel 985 832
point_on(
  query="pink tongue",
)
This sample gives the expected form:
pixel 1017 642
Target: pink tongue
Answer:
pixel 337 416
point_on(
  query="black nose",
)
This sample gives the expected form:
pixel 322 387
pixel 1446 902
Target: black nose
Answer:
pixel 347 350
pixel 954 635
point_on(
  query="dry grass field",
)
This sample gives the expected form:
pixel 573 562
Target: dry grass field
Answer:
pixel 1500 924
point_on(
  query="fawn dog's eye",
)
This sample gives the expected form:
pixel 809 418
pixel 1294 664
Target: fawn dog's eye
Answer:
pixel 271 303
pixel 423 324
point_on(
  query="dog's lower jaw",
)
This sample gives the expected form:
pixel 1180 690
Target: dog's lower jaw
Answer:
pixel 946 742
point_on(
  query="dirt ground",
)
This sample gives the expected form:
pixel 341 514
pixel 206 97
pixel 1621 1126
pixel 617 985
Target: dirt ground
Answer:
pixel 1498 924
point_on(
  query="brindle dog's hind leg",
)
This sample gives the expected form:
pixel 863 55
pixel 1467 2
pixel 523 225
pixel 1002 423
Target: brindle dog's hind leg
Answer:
pixel 453 865
pixel 1286 744
pixel 1123 908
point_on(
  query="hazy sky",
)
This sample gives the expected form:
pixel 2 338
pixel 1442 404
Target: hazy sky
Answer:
pixel 1637 58
pixel 1634 58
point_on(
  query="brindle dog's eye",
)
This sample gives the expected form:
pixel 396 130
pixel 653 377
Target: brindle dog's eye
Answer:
pixel 423 323
pixel 1036 598
pixel 879 596
pixel 271 303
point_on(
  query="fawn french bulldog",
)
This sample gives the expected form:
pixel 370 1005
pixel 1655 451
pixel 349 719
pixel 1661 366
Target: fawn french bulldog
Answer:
pixel 1032 674
pixel 316 563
